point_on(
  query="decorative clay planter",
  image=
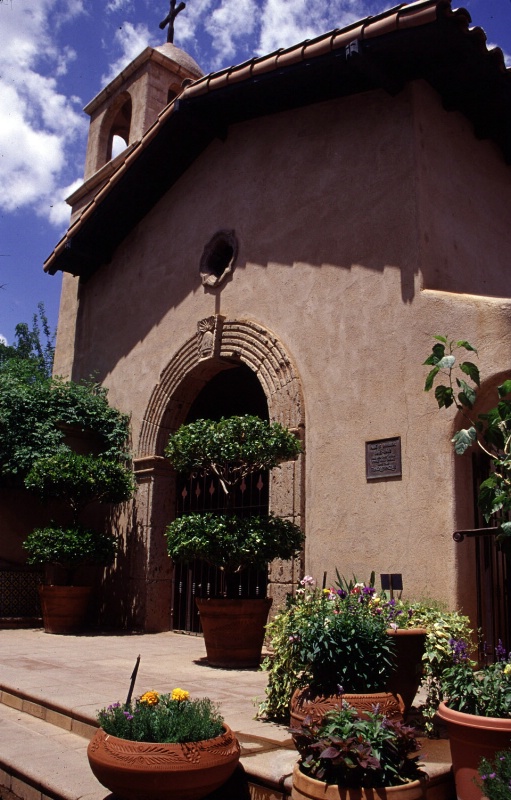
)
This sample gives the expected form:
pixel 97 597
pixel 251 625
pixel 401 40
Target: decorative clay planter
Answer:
pixel 233 630
pixel 472 738
pixel 305 788
pixel 308 703
pixel 153 771
pixel 407 676
pixel 64 608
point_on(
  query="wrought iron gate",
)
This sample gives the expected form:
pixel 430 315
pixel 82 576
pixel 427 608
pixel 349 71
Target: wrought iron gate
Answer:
pixel 493 574
pixel 198 579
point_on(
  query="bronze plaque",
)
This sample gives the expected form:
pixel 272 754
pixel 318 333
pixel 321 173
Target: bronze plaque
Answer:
pixel 383 458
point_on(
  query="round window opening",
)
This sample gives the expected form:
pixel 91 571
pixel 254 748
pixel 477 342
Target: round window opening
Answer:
pixel 218 258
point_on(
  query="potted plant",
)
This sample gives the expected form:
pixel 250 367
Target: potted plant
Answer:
pixel 342 650
pixel 495 776
pixel 352 757
pixel 76 480
pixel 163 747
pixel 289 667
pixel 231 449
pixel 477 713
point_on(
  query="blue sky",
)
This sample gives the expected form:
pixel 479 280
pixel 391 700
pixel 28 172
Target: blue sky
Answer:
pixel 55 55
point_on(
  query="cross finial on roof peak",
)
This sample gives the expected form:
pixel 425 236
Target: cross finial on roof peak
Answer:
pixel 169 19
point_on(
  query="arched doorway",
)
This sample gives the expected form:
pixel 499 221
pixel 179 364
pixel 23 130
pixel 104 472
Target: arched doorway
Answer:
pixel 240 367
pixel 234 391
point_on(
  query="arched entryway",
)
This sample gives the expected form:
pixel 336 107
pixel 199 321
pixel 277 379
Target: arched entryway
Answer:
pixel 229 367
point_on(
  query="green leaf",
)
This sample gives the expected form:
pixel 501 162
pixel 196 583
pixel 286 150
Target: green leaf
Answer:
pixel 471 370
pixel 447 362
pixel 436 355
pixel 466 345
pixel 463 439
pixel 467 396
pixel 504 389
pixel 440 338
pixel 430 379
pixel 444 396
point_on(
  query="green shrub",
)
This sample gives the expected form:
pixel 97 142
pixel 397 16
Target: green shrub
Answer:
pixel 69 547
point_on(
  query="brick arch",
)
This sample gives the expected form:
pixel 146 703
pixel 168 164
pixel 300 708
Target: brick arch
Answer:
pixel 237 342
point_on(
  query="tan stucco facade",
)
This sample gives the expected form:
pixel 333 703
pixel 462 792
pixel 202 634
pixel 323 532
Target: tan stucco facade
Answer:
pixel 365 224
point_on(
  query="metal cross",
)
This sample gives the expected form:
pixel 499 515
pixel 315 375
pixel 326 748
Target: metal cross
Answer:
pixel 169 19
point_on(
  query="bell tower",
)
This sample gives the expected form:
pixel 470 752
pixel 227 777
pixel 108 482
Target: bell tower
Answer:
pixel 123 111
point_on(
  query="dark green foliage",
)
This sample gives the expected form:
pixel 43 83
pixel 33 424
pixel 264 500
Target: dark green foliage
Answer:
pixel 70 547
pixel 496 776
pixel 231 448
pixel 33 409
pixel 345 750
pixel 167 720
pixel 231 542
pixel 341 642
pixel 80 480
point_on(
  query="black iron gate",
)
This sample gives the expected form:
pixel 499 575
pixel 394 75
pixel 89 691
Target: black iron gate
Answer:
pixel 198 579
pixel 492 573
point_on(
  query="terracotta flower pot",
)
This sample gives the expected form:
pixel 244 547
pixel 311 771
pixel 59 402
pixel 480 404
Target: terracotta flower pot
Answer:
pixel 153 771
pixel 305 788
pixel 233 630
pixel 64 608
pixel 407 676
pixel 472 738
pixel 308 703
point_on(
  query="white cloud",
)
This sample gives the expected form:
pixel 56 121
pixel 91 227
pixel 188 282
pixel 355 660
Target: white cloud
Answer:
pixel 119 5
pixel 3 340
pixel 287 22
pixel 38 121
pixel 229 24
pixel 131 39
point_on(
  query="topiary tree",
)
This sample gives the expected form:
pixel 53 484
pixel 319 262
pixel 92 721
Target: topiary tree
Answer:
pixel 231 449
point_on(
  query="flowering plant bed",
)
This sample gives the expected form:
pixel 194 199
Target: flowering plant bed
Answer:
pixel 298 640
pixel 495 776
pixel 158 717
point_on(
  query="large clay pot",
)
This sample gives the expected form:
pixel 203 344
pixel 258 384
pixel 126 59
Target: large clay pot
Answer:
pixel 305 788
pixel 152 771
pixel 472 738
pixel 405 680
pixel 233 630
pixel 64 608
pixel 306 703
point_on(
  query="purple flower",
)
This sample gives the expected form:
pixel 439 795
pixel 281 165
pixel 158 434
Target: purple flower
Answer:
pixel 492 775
pixel 127 715
pixel 342 593
pixel 459 649
pixel 500 652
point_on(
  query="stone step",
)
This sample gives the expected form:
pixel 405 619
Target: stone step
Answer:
pixel 43 756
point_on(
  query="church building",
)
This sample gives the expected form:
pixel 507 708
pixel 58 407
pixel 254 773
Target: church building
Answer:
pixel 284 237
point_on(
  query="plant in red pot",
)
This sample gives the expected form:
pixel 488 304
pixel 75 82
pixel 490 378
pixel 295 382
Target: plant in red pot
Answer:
pixel 75 480
pixel 477 713
pixel 163 747
pixel 346 756
pixel 231 449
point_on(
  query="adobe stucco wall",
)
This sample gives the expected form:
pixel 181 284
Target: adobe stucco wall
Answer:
pixel 359 221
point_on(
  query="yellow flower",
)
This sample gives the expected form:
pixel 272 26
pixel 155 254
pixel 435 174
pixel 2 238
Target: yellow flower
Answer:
pixel 180 694
pixel 150 698
pixel 507 669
